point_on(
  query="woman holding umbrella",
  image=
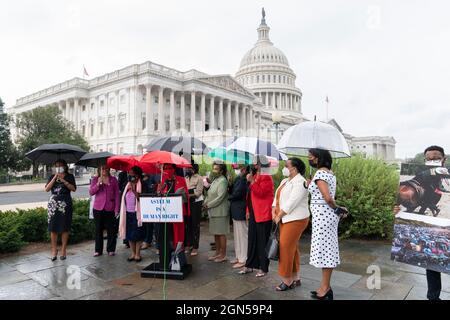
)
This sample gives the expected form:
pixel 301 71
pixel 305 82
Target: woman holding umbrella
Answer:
pixel 325 220
pixel 106 208
pixel 60 184
pixel 218 208
pixel 259 215
pixel 130 225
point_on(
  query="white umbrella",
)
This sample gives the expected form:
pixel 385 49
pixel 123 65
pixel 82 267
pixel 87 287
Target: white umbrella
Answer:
pixel 255 146
pixel 307 135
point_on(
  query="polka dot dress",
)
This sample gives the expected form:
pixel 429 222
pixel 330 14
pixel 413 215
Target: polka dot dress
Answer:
pixel 324 240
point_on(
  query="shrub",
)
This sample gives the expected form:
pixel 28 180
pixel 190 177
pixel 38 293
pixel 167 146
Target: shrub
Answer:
pixel 368 188
pixel 82 228
pixel 22 226
pixel 33 224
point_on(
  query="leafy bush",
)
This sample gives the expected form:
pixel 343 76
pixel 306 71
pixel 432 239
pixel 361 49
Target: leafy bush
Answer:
pixel 33 224
pixel 10 237
pixel 368 188
pixel 22 226
pixel 82 228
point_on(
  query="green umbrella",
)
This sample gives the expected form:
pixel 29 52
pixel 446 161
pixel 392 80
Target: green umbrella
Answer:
pixel 231 156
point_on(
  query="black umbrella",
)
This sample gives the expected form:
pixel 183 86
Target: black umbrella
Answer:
pixel 49 153
pixel 94 160
pixel 178 145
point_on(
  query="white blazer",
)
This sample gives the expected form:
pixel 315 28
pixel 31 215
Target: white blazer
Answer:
pixel 293 199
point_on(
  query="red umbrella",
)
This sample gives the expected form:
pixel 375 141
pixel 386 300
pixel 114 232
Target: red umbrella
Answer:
pixel 123 163
pixel 158 158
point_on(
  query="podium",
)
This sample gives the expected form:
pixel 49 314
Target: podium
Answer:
pixel 164 210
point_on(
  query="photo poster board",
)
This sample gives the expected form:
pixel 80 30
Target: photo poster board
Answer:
pixel 422 227
pixel 161 209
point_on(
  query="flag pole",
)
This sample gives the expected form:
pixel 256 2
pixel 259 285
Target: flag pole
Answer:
pixel 327 101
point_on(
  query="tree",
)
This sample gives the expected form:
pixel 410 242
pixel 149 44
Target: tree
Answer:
pixel 7 148
pixel 45 125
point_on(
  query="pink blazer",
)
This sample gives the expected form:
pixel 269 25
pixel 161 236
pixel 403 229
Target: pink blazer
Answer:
pixel 107 197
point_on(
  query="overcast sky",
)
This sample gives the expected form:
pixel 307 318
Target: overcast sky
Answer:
pixel 385 65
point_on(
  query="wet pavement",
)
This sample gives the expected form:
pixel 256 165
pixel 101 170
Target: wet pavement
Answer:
pixel 35 276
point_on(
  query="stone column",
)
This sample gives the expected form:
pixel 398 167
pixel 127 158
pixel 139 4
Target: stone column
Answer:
pixel 76 106
pixel 258 124
pixel 108 109
pixel 116 119
pixel 66 110
pixel 251 120
pixel 192 113
pixel 244 118
pixel 274 100
pixel 229 115
pixel 203 112
pixel 172 110
pixel 267 98
pixel 161 113
pixel 132 115
pixel 221 114
pixel 212 125
pixel 97 115
pixel 182 112
pixel 236 113
pixel 149 120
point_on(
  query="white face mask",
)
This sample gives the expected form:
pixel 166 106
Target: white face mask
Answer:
pixel 286 172
pixel 434 163
pixel 59 169
pixel 237 172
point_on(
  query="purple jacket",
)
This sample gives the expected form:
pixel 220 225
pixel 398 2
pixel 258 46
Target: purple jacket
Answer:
pixel 107 197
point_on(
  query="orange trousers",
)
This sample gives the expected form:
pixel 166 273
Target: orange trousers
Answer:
pixel 290 233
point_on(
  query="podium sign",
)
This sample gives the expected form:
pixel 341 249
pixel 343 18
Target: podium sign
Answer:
pixel 165 209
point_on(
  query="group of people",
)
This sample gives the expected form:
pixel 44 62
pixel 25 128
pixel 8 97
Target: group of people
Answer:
pixel 250 202
pixel 116 208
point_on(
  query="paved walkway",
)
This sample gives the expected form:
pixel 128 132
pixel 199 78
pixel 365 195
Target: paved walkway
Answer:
pixel 34 276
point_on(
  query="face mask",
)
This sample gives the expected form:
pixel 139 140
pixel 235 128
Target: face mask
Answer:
pixel 286 172
pixel 214 174
pixel 131 178
pixel 237 172
pixel 59 169
pixel 312 164
pixel 169 172
pixel 433 163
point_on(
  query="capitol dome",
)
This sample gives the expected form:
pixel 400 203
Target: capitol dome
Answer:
pixel 265 71
pixel 264 52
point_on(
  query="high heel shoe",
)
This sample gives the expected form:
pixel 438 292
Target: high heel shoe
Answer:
pixel 283 286
pixel 55 257
pixel 327 296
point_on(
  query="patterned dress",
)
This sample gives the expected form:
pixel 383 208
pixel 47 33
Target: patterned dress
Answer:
pixel 324 240
pixel 60 206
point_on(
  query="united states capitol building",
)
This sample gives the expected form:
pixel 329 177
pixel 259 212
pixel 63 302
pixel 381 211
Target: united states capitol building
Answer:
pixel 123 110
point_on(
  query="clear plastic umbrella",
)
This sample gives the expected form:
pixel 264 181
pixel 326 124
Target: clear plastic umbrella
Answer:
pixel 298 139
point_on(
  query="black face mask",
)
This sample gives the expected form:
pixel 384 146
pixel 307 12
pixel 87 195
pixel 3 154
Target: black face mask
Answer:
pixel 131 178
pixel 254 170
pixel 312 164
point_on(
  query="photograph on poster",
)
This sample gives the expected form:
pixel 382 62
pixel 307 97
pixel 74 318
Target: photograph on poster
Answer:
pixel 422 228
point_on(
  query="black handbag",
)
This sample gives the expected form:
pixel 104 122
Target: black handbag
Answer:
pixel 273 245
